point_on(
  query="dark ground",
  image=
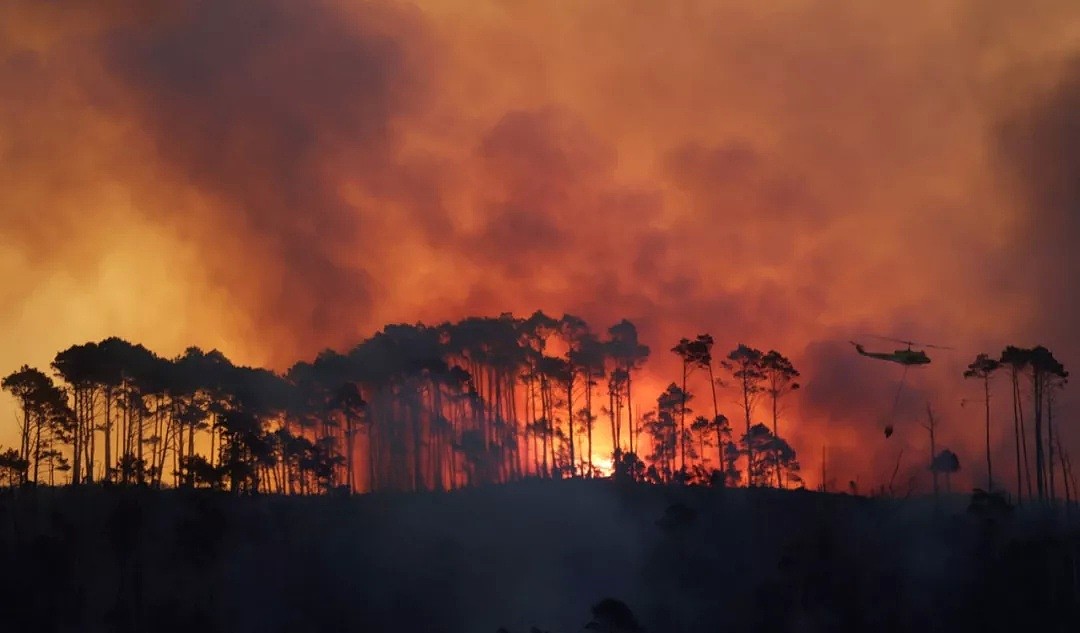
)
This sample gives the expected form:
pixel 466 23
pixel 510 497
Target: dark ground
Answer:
pixel 536 554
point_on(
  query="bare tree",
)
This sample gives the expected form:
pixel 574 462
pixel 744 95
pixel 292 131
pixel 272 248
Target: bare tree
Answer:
pixel 982 368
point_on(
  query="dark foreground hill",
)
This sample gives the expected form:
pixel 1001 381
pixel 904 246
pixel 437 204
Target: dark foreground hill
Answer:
pixel 537 554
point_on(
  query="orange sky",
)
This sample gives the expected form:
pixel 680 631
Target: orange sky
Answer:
pixel 276 178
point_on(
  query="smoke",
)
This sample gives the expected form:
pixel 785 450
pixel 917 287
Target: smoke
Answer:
pixel 277 178
pixel 269 111
pixel 1039 145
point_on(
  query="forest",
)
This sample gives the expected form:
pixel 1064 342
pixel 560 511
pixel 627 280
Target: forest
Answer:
pixel 484 400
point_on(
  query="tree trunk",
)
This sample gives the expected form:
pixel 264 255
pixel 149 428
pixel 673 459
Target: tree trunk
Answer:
pixel 588 417
pixel 1050 442
pixel 933 448
pixel 350 446
pixel 1040 457
pixel 570 418
pixel 24 443
pixel 682 421
pixel 1016 432
pixel 776 434
pixel 139 465
pixel 989 468
pixel 91 443
pixel 749 444
pixel 716 418
pixel 37 444
pixel 1064 472
pixel 1023 441
pixel 611 414
pixel 108 435
pixel 722 467
pixel 629 410
pixel 80 415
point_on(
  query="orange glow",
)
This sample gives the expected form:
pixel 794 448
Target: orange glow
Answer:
pixel 789 175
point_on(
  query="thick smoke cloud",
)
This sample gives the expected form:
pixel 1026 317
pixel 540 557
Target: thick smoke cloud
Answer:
pixel 1040 148
pixel 268 110
pixel 274 178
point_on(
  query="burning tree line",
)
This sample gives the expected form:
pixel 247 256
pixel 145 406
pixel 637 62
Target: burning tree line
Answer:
pixel 414 407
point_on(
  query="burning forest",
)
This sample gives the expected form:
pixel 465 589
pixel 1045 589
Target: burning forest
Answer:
pixel 484 400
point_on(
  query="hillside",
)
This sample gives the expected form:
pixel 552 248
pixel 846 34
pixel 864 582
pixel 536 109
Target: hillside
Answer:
pixel 535 554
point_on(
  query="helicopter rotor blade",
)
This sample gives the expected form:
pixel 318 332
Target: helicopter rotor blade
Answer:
pixel 894 340
pixel 911 343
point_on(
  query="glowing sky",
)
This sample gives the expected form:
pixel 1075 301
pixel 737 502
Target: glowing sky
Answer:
pixel 274 178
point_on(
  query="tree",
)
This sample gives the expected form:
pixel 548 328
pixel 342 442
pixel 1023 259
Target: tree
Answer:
pixel 694 354
pixel 349 403
pixel 591 357
pixel 13 467
pixel 745 365
pixel 664 429
pixel 628 354
pixel 82 367
pixel 931 427
pixel 46 415
pixel 628 468
pixel 573 330
pixel 1045 369
pixel 29 386
pixel 982 368
pixel 777 454
pixel 947 463
pixel 1054 385
pixel 780 377
pixel 1017 360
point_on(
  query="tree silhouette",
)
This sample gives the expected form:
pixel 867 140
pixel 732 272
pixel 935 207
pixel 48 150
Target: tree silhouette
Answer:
pixel 777 454
pixel 591 356
pixel 45 416
pixel 982 368
pixel 1017 360
pixel 1055 384
pixel 665 430
pixel 1045 369
pixel 348 402
pixel 13 467
pixel 574 331
pixel 694 354
pixel 83 368
pixel 477 401
pixel 947 463
pixel 627 354
pixel 745 365
pixel 780 377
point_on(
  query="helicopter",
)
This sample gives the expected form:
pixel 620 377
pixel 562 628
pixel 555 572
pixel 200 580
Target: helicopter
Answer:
pixel 906 357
